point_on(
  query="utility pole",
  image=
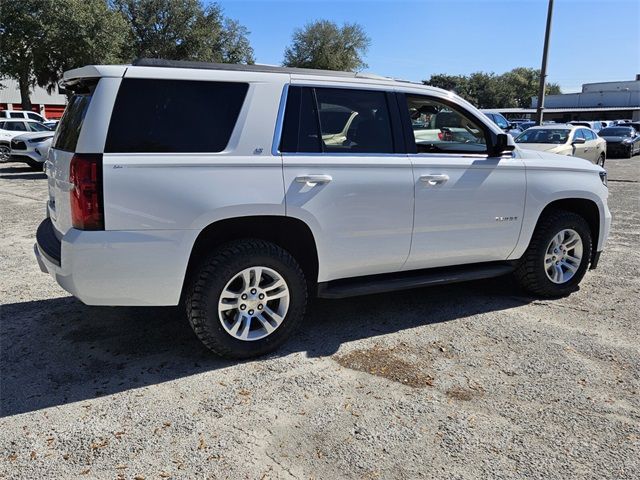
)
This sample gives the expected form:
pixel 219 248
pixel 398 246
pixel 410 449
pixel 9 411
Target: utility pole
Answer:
pixel 543 70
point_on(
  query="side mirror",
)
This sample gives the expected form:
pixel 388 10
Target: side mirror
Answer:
pixel 502 145
pixel 578 141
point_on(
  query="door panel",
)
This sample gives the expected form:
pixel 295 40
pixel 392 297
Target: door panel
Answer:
pixel 361 215
pixel 473 215
pixel 468 206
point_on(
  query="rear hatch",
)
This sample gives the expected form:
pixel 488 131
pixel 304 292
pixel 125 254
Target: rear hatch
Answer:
pixel 62 150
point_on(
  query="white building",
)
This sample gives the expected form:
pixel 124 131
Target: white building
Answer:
pixel 596 101
pixel 50 105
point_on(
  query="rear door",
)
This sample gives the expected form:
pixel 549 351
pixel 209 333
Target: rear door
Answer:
pixel 346 176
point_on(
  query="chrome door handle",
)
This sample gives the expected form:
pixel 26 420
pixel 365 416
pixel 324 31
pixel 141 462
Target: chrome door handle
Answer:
pixel 434 179
pixel 313 180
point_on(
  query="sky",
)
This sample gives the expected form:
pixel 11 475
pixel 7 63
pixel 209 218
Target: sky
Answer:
pixel 591 40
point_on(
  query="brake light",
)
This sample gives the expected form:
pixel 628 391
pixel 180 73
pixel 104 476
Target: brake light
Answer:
pixel 87 209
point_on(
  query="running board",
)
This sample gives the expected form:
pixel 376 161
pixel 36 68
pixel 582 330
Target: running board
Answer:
pixel 352 287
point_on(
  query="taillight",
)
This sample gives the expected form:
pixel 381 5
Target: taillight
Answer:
pixel 87 209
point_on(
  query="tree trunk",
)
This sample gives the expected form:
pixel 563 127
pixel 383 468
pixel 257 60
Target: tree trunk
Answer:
pixel 24 93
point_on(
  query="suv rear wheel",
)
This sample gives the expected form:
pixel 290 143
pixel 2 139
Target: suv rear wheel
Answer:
pixel 558 255
pixel 247 299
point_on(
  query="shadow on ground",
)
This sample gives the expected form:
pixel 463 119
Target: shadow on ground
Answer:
pixel 21 173
pixel 58 351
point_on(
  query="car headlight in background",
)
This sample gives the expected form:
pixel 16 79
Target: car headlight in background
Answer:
pixel 603 178
pixel 37 140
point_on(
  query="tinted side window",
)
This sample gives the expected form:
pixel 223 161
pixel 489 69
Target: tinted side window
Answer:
pixel 441 128
pixel 579 134
pixel 66 137
pixel 300 126
pixel 16 115
pixel 174 115
pixel 34 116
pixel 354 121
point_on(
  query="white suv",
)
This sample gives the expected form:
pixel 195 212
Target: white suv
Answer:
pixel 240 191
pixel 22 114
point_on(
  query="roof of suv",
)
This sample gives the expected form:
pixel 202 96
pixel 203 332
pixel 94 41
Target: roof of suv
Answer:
pixel 96 71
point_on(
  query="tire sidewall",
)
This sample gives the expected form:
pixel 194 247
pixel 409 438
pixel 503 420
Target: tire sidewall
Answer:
pixel 217 282
pixel 580 226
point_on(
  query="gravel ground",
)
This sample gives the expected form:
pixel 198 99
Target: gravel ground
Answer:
pixel 468 381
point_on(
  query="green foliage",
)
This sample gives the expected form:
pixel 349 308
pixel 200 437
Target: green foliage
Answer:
pixel 488 90
pixel 325 45
pixel 39 39
pixel 183 30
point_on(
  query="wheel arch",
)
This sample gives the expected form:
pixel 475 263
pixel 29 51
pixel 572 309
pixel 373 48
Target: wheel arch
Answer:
pixel 585 207
pixel 290 233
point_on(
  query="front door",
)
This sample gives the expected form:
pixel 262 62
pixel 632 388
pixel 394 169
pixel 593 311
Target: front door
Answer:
pixel 468 205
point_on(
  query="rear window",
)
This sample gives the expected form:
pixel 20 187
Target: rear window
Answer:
pixel 68 131
pixel 174 116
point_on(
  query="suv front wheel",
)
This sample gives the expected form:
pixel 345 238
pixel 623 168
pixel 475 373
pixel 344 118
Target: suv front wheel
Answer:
pixel 558 255
pixel 247 299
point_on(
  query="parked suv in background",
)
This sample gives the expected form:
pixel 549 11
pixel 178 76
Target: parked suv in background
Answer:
pixel 22 114
pixel 12 128
pixel 298 183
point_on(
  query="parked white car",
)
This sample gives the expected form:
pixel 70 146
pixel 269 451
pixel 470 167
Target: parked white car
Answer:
pixel 22 114
pixel 562 139
pixel 244 216
pixel 31 148
pixel 12 128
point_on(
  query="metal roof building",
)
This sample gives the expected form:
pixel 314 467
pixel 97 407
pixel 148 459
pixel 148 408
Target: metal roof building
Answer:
pixel 596 101
pixel 50 105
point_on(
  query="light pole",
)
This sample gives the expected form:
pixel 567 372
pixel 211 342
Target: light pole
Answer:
pixel 543 69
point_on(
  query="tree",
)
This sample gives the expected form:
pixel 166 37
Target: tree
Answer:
pixel 183 30
pixel 325 45
pixel 488 90
pixel 39 39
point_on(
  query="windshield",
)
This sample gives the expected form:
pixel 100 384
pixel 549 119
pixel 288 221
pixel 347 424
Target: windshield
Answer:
pixel 546 135
pixel 615 132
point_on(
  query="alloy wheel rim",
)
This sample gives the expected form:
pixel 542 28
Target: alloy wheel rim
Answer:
pixel 563 256
pixel 254 303
pixel 4 152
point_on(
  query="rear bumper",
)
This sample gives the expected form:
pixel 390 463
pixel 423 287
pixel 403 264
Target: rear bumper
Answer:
pixel 117 267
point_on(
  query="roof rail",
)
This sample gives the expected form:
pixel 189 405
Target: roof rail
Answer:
pixel 158 62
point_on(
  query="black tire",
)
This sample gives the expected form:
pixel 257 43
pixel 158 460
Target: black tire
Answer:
pixel 217 270
pixel 601 160
pixel 531 271
pixel 630 152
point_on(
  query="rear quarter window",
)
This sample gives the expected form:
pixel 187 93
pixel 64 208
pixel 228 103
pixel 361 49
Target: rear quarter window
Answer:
pixel 174 116
pixel 70 125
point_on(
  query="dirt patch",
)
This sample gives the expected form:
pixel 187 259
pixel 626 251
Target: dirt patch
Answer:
pixel 385 362
pixel 463 394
